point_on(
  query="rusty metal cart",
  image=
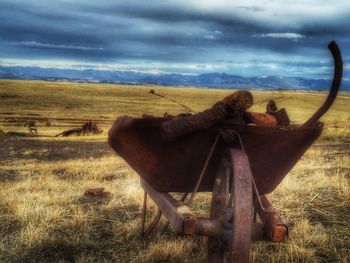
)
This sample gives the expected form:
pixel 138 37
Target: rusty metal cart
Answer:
pixel 239 171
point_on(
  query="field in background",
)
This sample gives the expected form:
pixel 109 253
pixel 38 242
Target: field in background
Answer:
pixel 45 217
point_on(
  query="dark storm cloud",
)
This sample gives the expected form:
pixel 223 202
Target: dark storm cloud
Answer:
pixel 191 32
pixel 38 45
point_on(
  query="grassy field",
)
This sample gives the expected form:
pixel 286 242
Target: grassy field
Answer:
pixel 44 216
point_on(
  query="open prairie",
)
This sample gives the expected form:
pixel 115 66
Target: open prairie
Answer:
pixel 45 217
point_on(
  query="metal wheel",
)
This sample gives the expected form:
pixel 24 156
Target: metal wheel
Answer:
pixel 232 206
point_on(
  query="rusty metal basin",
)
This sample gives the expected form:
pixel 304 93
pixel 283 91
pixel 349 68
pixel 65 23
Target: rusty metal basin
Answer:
pixel 175 166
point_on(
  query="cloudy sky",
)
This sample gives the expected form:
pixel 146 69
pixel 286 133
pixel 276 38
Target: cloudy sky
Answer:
pixel 249 38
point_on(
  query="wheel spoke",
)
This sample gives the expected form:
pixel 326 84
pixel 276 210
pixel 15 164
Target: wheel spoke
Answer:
pixel 217 251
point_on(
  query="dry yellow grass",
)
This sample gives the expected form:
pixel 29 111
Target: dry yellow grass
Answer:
pixel 44 216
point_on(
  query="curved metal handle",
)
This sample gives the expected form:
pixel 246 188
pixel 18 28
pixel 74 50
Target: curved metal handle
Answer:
pixel 338 73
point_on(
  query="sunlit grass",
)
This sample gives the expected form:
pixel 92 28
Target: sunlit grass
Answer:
pixel 45 217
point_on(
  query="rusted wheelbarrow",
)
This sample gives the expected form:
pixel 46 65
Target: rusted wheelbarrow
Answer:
pixel 238 171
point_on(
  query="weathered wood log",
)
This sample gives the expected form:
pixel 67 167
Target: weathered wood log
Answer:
pixel 21 134
pixel 88 128
pixel 263 119
pixel 75 131
pixel 271 107
pixel 280 115
pixel 232 107
pixel 240 100
pixel 179 126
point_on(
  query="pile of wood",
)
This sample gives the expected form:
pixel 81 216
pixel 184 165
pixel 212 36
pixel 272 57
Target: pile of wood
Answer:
pixel 232 108
pixel 87 129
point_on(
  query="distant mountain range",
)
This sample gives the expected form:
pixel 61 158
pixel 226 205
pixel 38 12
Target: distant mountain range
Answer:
pixel 210 80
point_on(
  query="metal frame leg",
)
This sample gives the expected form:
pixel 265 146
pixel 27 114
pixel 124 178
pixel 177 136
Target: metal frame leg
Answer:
pixel 145 232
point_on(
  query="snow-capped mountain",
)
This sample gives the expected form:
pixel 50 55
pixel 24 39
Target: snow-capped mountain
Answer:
pixel 210 80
